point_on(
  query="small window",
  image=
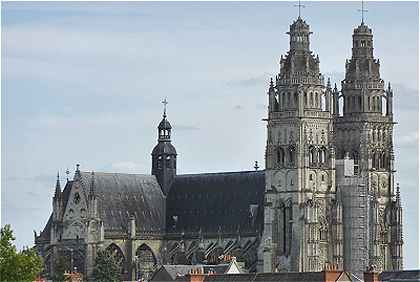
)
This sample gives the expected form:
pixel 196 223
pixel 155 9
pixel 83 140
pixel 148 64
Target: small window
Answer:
pixel 322 178
pixel 310 177
pixel 363 43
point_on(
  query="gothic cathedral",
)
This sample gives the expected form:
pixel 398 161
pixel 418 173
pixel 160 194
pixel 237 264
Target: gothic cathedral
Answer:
pixel 326 196
pixel 329 193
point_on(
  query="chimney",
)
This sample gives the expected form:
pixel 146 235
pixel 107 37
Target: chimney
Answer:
pixel 195 275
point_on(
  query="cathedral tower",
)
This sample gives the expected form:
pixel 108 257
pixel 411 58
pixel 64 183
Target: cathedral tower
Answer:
pixel 302 219
pixel 164 155
pixel 363 135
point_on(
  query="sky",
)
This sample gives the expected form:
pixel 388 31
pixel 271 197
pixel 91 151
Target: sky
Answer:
pixel 82 82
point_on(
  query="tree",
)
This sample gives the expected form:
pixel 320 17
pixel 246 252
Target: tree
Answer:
pixel 59 269
pixel 17 266
pixel 106 268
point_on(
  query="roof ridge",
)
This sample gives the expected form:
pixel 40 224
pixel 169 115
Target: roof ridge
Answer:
pixel 222 172
pixel 119 173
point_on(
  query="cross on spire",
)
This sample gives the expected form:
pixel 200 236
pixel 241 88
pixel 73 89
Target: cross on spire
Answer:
pixel 363 10
pixel 299 6
pixel 164 102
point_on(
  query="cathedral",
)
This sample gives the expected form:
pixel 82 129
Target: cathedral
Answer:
pixel 326 197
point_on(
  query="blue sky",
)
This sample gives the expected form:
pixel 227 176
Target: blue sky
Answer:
pixel 83 83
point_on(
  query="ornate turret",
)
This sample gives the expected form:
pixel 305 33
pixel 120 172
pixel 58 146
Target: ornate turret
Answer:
pixel 164 155
pixel 57 200
pixel 362 87
pixel 397 232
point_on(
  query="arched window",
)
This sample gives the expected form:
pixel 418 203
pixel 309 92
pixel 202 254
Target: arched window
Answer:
pixel 296 100
pixel 280 156
pixel 323 155
pixel 312 155
pixel 292 155
pixel 145 263
pixel 311 97
pixel 323 233
pixel 159 162
pixel 289 100
pixel 323 102
pixel 375 160
pixel 316 100
pixel 383 161
pixel 368 104
pixel 306 99
pixel 384 105
pixel 118 255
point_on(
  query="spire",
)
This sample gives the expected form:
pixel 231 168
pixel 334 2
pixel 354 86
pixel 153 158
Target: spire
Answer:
pixel 328 83
pixel 271 88
pixel 335 88
pixel 92 185
pixel 256 166
pixel 57 187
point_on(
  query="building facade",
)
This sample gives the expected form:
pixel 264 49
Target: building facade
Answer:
pixel 326 196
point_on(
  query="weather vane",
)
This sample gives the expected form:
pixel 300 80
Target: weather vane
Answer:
pixel 299 6
pixel 164 102
pixel 362 11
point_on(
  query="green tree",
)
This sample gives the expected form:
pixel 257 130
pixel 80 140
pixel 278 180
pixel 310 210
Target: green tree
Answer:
pixel 17 266
pixel 59 269
pixel 106 268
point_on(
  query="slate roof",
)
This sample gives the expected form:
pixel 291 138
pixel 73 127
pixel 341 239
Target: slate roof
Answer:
pixel 396 276
pixel 216 201
pixel 121 195
pixel 169 272
pixel 164 148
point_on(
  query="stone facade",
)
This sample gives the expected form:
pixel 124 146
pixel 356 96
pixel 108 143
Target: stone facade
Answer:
pixel 326 196
pixel 329 195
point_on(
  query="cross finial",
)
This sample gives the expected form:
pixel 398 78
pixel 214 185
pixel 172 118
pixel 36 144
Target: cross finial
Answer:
pixel 164 102
pixel 256 165
pixel 363 10
pixel 299 6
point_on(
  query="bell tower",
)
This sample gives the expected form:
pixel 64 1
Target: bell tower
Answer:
pixel 302 219
pixel 364 135
pixel 164 155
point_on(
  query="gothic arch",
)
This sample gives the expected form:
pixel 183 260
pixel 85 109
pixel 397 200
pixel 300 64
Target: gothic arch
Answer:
pixel 323 102
pixel 145 262
pixel 291 155
pixel 119 256
pixel 280 156
pixel 312 155
pixel 322 153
